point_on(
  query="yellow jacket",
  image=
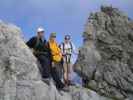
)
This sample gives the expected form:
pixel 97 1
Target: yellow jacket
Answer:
pixel 56 51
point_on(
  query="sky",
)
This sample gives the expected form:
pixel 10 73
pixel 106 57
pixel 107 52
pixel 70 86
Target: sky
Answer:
pixel 60 16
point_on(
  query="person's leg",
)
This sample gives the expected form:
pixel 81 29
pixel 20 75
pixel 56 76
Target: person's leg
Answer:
pixel 69 64
pixel 59 68
pixel 67 69
pixel 45 66
pixel 65 73
pixel 69 73
pixel 56 78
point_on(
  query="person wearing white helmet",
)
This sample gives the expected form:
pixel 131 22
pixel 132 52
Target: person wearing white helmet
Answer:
pixel 40 32
pixel 40 49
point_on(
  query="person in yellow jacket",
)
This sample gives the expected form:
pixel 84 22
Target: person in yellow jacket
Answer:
pixel 55 50
pixel 57 68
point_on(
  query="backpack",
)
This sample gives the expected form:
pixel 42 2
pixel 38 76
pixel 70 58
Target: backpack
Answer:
pixel 63 44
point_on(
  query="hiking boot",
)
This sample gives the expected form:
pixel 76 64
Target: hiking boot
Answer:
pixel 70 83
pixel 46 80
pixel 65 89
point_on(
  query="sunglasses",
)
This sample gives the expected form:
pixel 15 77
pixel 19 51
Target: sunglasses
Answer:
pixel 41 32
pixel 53 36
pixel 67 38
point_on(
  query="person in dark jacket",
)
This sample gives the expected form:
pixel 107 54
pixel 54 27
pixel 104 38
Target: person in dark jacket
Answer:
pixel 40 49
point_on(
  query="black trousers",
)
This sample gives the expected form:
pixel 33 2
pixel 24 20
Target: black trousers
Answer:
pixel 45 67
pixel 48 71
pixel 56 78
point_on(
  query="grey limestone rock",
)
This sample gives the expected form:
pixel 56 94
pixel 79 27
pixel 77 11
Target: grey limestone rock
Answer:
pixel 106 58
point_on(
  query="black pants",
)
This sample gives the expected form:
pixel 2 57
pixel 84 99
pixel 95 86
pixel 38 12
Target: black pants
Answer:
pixel 48 71
pixel 45 66
pixel 56 78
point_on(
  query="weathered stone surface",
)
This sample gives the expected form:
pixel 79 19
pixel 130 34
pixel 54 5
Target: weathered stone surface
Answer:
pixel 106 58
pixel 19 75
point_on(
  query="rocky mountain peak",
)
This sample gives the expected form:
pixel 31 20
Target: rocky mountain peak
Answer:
pixel 105 59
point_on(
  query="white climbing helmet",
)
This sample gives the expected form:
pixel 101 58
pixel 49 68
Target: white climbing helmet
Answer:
pixel 40 29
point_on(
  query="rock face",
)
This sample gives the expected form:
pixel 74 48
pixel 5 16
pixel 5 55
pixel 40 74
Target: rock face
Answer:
pixel 19 75
pixel 106 58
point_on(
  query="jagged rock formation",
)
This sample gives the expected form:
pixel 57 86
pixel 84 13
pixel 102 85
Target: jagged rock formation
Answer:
pixel 106 58
pixel 19 75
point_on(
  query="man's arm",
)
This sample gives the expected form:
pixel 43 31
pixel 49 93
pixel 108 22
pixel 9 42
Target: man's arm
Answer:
pixel 31 43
